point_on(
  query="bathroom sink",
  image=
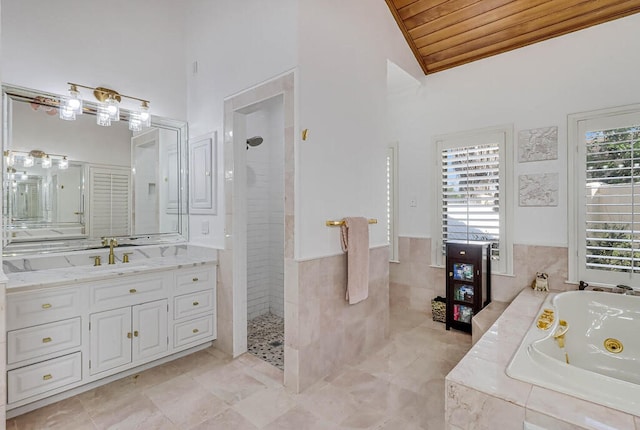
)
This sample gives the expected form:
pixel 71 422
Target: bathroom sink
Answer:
pixel 120 268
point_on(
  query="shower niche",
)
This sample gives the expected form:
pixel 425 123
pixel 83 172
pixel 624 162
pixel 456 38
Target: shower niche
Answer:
pixel 468 282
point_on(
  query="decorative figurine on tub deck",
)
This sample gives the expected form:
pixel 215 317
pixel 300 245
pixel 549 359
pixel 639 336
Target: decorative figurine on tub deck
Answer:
pixel 541 283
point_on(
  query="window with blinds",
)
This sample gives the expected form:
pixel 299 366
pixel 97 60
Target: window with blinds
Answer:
pixel 471 194
pixel 109 202
pixel 612 199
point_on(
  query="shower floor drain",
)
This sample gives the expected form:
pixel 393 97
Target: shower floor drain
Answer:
pixel 275 343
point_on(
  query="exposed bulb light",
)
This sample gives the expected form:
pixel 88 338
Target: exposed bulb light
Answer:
pixel 108 108
pixel 46 162
pixel 135 123
pixel 113 108
pixel 63 163
pixel 67 113
pixel 102 116
pixel 28 161
pixel 9 158
pixel 145 117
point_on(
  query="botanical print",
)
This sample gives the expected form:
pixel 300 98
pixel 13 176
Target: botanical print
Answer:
pixel 538 190
pixel 538 144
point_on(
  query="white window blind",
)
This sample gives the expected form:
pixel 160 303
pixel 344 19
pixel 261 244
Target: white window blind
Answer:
pixel 471 194
pixel 109 202
pixel 612 199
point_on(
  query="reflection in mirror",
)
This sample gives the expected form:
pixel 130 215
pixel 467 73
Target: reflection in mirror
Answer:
pixel 69 183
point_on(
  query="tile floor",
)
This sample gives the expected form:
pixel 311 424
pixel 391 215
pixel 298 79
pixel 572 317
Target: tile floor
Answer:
pixel 265 339
pixel 400 386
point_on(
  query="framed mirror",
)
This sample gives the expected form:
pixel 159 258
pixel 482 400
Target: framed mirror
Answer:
pixel 68 184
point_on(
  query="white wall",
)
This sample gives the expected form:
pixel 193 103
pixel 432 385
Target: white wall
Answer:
pixel 133 47
pixel 265 212
pixel 536 86
pixel 341 168
pixel 236 45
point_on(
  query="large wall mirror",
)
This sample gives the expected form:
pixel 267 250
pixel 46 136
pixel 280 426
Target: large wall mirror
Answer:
pixel 68 184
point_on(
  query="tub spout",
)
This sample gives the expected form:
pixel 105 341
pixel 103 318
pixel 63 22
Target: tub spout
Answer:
pixel 583 285
pixel 563 327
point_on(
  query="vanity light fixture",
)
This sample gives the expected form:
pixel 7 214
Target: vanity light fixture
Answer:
pixel 28 159
pixel 108 109
pixel 71 104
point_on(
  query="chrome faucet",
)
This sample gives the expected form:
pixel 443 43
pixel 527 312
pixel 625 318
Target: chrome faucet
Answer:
pixel 112 243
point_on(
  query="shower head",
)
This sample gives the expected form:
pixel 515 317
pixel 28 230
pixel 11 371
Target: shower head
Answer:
pixel 254 141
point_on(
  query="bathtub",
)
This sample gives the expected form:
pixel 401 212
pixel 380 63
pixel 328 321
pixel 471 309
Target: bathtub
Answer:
pixel 578 362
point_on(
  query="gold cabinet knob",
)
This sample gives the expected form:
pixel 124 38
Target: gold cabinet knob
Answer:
pixel 46 306
pixel 195 330
pixel 47 377
pixel 195 279
pixel 133 290
pixel 129 335
pixel 46 340
pixel 196 303
pixel 135 333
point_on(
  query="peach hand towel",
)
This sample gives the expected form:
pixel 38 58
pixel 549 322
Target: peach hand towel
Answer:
pixel 355 242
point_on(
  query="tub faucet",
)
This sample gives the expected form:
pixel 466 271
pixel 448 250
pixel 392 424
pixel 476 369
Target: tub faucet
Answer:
pixel 583 285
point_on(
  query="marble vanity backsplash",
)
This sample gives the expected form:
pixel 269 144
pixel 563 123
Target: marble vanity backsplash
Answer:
pixel 53 269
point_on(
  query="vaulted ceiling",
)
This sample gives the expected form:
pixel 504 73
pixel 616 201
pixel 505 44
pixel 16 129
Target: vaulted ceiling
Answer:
pixel 448 33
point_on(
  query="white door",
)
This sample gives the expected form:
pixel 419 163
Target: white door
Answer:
pixel 110 335
pixel 150 329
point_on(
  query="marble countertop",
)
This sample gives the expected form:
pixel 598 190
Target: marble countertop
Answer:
pixel 27 273
pixel 483 369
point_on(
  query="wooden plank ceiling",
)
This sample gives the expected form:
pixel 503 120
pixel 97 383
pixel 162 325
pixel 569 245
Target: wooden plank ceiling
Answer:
pixel 449 33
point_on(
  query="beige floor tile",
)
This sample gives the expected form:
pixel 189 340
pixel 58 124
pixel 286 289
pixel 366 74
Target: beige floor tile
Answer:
pixel 265 406
pixel 228 420
pixel 66 414
pixel 230 382
pixel 136 413
pixel 400 385
pixel 185 402
pixel 299 418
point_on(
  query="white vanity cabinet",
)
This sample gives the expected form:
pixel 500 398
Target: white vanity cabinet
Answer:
pixel 128 335
pixel 64 337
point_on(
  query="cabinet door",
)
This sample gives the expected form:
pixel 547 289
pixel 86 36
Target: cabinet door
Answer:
pixel 110 339
pixel 150 329
pixel 201 176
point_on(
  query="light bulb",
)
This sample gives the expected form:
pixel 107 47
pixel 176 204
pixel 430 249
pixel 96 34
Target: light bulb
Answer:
pixel 145 117
pixel 46 162
pixel 63 164
pixel 74 101
pixel 67 113
pixel 28 161
pixel 10 158
pixel 135 124
pixel 102 116
pixel 112 108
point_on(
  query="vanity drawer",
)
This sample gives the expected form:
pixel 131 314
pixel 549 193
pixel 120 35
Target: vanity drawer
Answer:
pixel 126 292
pixel 193 304
pixel 43 339
pixel 191 280
pixel 193 330
pixel 40 307
pixel 42 377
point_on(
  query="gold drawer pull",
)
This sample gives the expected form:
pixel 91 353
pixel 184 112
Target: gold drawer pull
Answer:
pixel 196 303
pixel 46 306
pixel 135 333
pixel 133 290
pixel 47 377
pixel 463 252
pixel 195 330
pixel 129 336
pixel 195 279
pixel 46 340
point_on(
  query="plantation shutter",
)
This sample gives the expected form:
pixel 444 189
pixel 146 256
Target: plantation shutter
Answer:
pixel 612 200
pixel 109 197
pixel 471 194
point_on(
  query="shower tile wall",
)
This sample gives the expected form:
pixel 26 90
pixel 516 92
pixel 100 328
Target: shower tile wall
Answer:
pixel 265 206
